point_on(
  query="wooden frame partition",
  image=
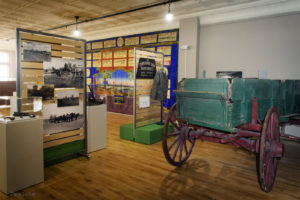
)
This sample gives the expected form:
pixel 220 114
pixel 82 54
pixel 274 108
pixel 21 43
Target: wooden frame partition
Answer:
pixel 32 72
pixel 143 87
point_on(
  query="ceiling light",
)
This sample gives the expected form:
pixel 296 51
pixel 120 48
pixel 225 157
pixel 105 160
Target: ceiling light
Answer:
pixel 76 32
pixel 169 15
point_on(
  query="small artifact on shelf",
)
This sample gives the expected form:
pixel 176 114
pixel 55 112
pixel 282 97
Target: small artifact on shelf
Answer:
pixel 92 100
pixel 23 114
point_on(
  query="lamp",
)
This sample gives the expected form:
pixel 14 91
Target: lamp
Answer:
pixel 169 15
pixel 76 32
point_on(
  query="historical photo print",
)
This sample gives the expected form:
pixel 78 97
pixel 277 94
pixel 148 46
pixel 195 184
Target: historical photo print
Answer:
pixel 64 73
pixel 67 98
pixel 57 120
pixel 44 91
pixel 36 51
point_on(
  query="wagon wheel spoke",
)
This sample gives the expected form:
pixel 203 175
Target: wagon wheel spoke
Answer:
pixel 185 148
pixel 174 142
pixel 174 134
pixel 180 151
pixel 176 149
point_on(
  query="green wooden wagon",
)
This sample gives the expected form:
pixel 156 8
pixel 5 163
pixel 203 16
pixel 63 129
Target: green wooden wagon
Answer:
pixel 246 113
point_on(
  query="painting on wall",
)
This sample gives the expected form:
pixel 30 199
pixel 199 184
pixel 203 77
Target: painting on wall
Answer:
pixel 33 51
pixel 64 73
pixel 62 119
pixel 67 98
pixel 44 91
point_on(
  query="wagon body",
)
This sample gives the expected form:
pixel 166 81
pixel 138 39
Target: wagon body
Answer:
pixel 225 104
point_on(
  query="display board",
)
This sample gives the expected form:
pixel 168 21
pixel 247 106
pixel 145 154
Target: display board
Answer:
pixel 53 67
pixel 110 66
pixel 146 109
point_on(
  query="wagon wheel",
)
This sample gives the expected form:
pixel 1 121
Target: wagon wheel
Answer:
pixel 177 145
pixel 270 150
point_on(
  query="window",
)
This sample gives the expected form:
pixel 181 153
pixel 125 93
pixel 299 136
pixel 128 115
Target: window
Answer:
pixel 4 65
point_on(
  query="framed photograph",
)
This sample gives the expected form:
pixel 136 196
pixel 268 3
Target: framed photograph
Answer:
pixel 64 73
pixel 229 74
pixel 44 91
pixel 67 98
pixel 33 51
pixel 57 120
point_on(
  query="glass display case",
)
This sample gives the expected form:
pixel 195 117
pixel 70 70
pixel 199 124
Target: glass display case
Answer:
pixel 29 106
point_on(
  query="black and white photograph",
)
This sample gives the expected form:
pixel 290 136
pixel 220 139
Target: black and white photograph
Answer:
pixel 57 120
pixel 67 98
pixel 44 91
pixel 64 73
pixel 229 74
pixel 33 51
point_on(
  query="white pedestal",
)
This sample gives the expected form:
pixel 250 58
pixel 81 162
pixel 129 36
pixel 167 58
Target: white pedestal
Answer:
pixel 21 154
pixel 96 127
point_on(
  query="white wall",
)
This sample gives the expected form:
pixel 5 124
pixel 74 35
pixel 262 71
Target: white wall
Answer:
pixel 271 43
pixel 188 58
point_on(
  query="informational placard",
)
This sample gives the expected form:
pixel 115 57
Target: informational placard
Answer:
pixel 107 63
pixel 166 50
pixel 120 54
pixel 97 56
pixel 109 43
pixel 147 39
pixel 97 63
pixel 107 54
pixel 167 37
pixel 120 62
pixel 97 45
pixel 146 68
pixel 144 101
pixel 132 41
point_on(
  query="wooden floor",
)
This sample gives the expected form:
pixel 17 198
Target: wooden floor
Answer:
pixel 128 170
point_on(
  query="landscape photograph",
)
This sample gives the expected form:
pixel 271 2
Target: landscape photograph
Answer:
pixel 64 73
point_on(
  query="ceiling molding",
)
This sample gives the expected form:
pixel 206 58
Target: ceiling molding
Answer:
pixel 256 9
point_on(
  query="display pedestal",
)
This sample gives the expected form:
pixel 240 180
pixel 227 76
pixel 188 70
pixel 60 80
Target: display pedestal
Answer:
pixel 21 154
pixel 96 127
pixel 148 134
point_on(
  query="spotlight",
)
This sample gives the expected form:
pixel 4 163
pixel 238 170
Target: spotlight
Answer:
pixel 169 15
pixel 76 32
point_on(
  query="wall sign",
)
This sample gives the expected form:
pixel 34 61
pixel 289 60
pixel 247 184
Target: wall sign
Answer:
pixel 146 68
pixel 144 101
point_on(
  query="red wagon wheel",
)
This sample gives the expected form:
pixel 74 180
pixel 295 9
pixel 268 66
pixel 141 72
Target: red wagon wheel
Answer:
pixel 177 145
pixel 270 150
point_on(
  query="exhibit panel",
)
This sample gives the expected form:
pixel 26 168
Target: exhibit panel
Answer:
pixel 53 67
pixel 110 64
pixel 146 109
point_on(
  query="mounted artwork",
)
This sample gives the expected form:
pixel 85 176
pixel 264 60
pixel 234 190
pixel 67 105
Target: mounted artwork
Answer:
pixel 67 98
pixel 62 119
pixel 33 51
pixel 64 73
pixel 44 91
